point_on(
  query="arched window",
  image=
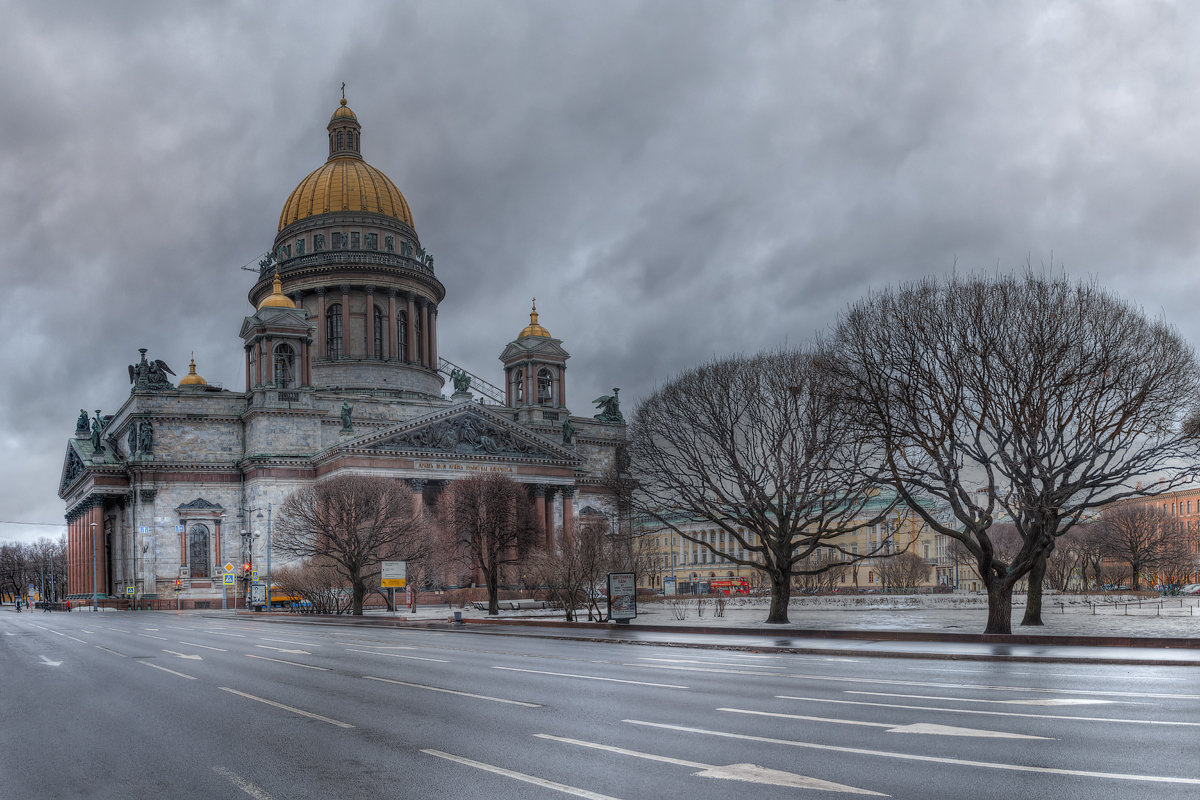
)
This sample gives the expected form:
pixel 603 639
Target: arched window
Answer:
pixel 402 336
pixel 285 366
pixel 198 551
pixel 519 385
pixel 545 386
pixel 339 140
pixel 333 331
pixel 378 332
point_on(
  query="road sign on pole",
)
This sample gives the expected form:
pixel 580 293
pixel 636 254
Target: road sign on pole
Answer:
pixel 395 574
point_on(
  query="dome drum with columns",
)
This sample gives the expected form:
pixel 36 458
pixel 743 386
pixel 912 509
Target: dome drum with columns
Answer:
pixel 341 375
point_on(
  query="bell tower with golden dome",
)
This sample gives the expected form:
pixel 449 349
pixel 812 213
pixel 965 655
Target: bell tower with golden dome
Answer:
pixel 347 253
pixel 535 373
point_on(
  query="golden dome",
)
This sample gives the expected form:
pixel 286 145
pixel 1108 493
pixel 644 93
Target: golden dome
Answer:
pixel 533 328
pixel 343 112
pixel 345 183
pixel 192 379
pixel 277 299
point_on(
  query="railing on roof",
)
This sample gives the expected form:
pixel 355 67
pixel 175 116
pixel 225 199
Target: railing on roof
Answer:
pixel 489 390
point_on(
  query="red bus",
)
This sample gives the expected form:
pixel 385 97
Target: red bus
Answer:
pixel 729 585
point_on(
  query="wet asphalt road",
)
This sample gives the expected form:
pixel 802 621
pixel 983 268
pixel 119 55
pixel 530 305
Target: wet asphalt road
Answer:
pixel 120 705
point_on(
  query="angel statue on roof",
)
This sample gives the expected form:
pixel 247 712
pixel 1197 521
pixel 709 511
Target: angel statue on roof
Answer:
pixel 610 407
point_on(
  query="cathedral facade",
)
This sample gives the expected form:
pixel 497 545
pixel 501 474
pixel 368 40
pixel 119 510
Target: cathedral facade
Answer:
pixel 342 376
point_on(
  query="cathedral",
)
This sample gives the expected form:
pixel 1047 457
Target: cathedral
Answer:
pixel 342 376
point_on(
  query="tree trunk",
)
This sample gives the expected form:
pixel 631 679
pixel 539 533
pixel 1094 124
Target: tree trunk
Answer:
pixel 493 589
pixel 999 606
pixel 781 593
pixel 1033 601
pixel 359 593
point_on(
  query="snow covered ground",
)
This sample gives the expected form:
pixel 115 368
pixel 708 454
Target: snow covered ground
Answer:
pixel 1064 615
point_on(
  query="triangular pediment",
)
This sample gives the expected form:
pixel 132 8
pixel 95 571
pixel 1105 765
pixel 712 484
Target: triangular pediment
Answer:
pixel 199 504
pixel 72 468
pixel 534 347
pixel 467 430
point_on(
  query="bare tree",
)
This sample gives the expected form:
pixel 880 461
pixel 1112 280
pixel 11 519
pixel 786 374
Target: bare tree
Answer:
pixel 575 573
pixel 1066 559
pixel 904 571
pixel 1054 397
pixel 318 582
pixel 1140 536
pixel 760 449
pixel 488 522
pixel 355 522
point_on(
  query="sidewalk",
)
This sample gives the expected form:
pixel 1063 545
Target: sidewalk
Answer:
pixel 1077 629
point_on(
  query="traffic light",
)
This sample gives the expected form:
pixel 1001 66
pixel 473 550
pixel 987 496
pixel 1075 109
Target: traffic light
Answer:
pixel 246 568
pixel 178 583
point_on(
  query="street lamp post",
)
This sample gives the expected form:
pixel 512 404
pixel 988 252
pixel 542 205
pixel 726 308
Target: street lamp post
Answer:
pixel 259 516
pixel 93 566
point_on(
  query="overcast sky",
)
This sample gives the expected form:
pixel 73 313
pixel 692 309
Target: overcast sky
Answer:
pixel 674 181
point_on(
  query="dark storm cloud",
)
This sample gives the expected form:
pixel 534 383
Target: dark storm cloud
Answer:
pixel 673 180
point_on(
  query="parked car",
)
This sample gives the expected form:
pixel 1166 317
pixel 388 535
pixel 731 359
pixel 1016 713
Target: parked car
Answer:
pixel 1191 588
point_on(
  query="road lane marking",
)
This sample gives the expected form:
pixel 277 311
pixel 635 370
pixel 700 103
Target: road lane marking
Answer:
pixel 114 652
pixel 286 708
pixel 1053 701
pixel 933 759
pixel 281 661
pixel 284 650
pixel 452 691
pixel 164 669
pixel 918 727
pixel 700 661
pixel 50 663
pixel 206 647
pixel 982 712
pixel 192 656
pixel 77 639
pixel 398 655
pixel 592 677
pixel 243 784
pixel 289 641
pixel 148 636
pixel 751 773
pixel 222 633
pixel 927 685
pixel 521 776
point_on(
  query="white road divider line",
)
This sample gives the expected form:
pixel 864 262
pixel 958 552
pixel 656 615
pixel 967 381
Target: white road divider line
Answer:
pixel 983 712
pixel 243 784
pixel 398 655
pixel 452 691
pixel 148 636
pixel 1052 701
pixel 289 641
pixel 697 661
pixel 114 652
pixel 206 647
pixel 301 712
pixel 960 762
pixel 521 776
pixel 77 639
pixel 751 773
pixel 592 677
pixel 191 656
pixel 281 661
pixel 926 685
pixel 917 727
pixel 164 669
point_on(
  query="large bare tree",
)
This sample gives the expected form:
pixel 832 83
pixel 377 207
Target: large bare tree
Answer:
pixel 355 522
pixel 758 448
pixel 574 573
pixel 488 522
pixel 1029 395
pixel 1144 537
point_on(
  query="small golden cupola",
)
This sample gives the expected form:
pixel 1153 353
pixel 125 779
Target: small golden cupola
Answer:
pixel 277 299
pixel 192 379
pixel 533 328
